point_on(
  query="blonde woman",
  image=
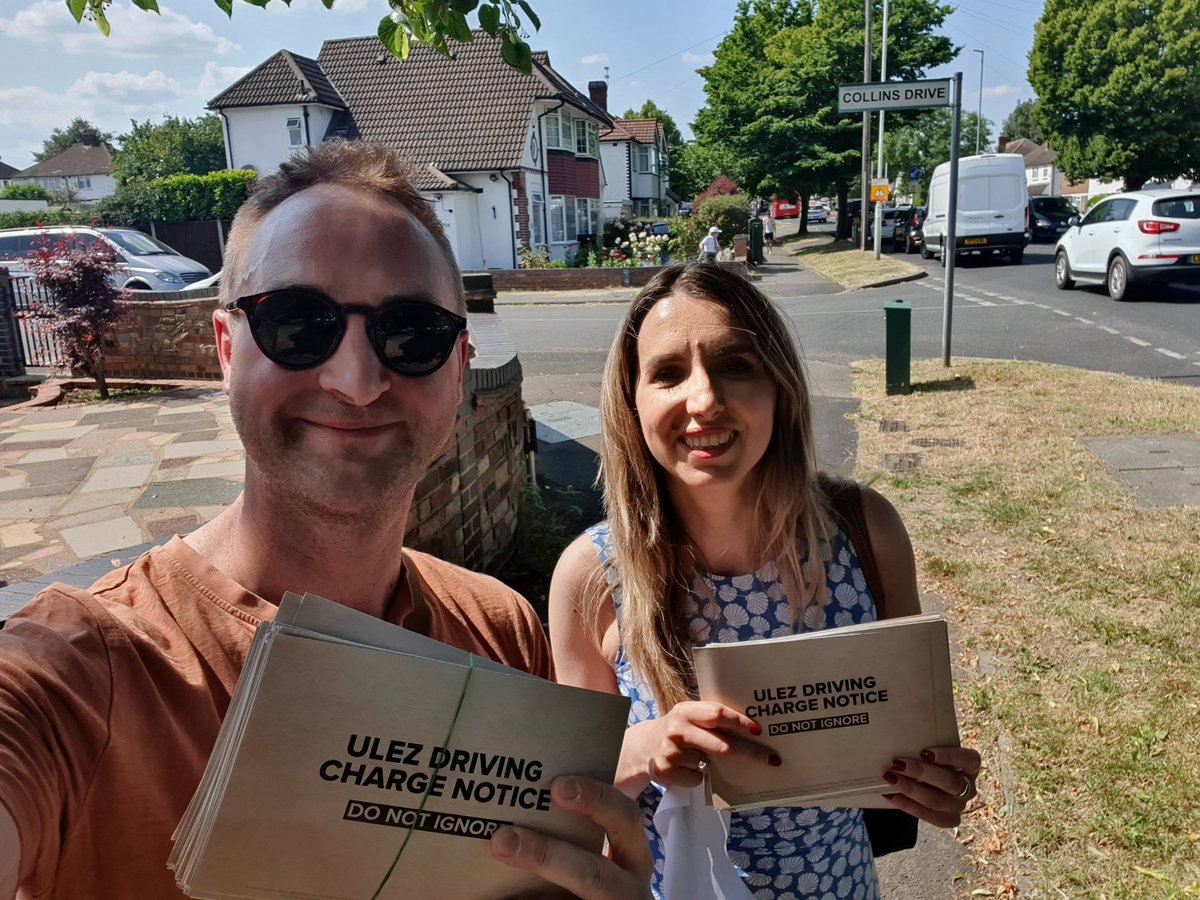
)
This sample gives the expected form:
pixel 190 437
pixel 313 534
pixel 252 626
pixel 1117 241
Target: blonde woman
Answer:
pixel 713 501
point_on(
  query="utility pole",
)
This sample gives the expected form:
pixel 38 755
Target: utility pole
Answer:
pixel 879 169
pixel 979 115
pixel 866 132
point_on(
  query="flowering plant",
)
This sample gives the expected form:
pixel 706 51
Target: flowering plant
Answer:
pixel 646 248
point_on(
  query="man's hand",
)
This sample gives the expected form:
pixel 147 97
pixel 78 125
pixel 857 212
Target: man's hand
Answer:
pixel 622 874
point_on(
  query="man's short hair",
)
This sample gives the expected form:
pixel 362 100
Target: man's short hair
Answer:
pixel 361 165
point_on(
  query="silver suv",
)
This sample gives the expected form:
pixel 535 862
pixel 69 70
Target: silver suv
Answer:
pixel 146 263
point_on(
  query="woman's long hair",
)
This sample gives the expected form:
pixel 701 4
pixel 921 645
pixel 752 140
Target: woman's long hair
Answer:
pixel 655 561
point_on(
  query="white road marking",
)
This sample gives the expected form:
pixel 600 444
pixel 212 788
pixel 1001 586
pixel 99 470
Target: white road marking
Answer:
pixel 1020 302
pixel 1109 330
pixel 1084 321
pixel 1062 312
pixel 1170 353
pixel 1137 341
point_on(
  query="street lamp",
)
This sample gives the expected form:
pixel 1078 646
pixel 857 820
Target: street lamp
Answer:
pixel 979 115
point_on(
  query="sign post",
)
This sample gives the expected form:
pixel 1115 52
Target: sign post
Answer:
pixel 884 95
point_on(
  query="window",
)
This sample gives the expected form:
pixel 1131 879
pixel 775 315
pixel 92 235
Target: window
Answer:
pixel 641 158
pixel 83 182
pixel 572 230
pixel 567 132
pixel 553 135
pixel 587 215
pixel 566 220
pixel 537 212
pixel 586 143
pixel 295 139
pixel 558 222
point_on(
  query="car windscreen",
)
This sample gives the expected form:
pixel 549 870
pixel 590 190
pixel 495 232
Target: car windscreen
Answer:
pixel 1177 207
pixel 138 244
pixel 1054 207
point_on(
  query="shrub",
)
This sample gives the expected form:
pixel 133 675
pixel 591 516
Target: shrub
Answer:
pixel 730 213
pixel 178 198
pixel 29 218
pixel 26 191
pixel 85 307
pixel 537 257
pixel 721 186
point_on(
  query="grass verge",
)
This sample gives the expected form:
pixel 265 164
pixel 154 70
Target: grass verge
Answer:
pixel 1078 611
pixel 847 265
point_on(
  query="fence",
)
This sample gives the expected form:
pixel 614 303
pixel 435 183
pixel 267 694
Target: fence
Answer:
pixel 202 241
pixel 38 346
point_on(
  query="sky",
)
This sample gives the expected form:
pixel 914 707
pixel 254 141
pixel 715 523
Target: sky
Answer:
pixel 151 66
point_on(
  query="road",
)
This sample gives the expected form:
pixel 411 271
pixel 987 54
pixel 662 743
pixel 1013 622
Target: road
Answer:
pixel 1001 311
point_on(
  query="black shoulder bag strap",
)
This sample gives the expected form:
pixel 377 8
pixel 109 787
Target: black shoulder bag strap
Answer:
pixel 889 829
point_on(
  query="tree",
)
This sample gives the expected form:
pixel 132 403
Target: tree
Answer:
pixel 175 146
pixel 1022 123
pixel 695 164
pixel 925 143
pixel 431 22
pixel 85 307
pixel 25 190
pixel 65 138
pixel 772 89
pixel 1117 83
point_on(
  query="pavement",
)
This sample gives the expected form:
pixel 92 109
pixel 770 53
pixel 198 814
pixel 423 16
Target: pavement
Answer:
pixel 87 488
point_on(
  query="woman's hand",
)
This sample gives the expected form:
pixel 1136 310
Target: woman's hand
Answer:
pixel 674 749
pixel 938 786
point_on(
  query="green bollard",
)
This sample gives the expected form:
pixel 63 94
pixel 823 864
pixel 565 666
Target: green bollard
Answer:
pixel 754 253
pixel 897 316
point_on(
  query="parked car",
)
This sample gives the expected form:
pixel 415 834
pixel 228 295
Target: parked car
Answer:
pixel 891 216
pixel 1049 217
pixel 685 208
pixel 145 263
pixel 660 228
pixel 993 208
pixel 1132 239
pixel 212 281
pixel 907 233
pixel 818 214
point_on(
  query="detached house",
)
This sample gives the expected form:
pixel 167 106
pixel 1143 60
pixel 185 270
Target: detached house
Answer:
pixel 635 156
pixel 504 158
pixel 82 172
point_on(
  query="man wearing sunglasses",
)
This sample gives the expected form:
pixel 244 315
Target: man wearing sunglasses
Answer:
pixel 342 341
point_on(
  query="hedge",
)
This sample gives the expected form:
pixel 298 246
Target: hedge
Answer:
pixel 178 198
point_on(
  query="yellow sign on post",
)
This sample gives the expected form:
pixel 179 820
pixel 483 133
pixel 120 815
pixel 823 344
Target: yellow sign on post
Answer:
pixel 879 189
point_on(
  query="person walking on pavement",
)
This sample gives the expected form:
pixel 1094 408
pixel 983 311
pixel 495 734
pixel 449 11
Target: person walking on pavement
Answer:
pixel 710 246
pixel 768 221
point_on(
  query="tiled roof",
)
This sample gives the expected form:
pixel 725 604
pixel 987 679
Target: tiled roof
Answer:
pixel 467 113
pixel 6 169
pixel 285 78
pixel 79 159
pixel 618 132
pixel 1035 154
pixel 644 130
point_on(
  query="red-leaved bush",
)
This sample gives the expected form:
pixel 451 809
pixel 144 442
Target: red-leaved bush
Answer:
pixel 722 184
pixel 84 308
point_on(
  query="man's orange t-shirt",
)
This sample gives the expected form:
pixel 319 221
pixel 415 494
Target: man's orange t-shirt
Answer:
pixel 111 700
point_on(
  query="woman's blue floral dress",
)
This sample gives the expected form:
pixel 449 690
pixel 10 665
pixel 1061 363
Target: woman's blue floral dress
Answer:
pixel 781 852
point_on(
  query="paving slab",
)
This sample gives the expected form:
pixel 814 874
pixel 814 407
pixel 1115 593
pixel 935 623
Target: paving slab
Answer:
pixel 565 420
pixel 102 537
pixel 196 492
pixel 118 477
pixel 1161 470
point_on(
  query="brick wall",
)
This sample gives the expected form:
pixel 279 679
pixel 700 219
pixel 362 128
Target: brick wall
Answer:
pixel 166 338
pixel 571 176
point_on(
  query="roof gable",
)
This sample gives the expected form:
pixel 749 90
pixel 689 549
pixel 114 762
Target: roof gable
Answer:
pixel 6 169
pixel 469 112
pixel 78 159
pixel 286 78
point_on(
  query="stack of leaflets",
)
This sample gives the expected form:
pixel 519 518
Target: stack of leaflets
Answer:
pixel 360 760
pixel 837 706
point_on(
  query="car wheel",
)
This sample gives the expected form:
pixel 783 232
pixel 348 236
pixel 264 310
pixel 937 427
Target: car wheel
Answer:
pixel 926 253
pixel 1118 284
pixel 1016 256
pixel 1062 272
pixel 137 286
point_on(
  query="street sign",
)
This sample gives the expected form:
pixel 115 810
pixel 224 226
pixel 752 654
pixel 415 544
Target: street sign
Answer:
pixel 879 189
pixel 914 173
pixel 853 98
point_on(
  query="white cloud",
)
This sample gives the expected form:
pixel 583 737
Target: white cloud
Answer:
pixel 1001 90
pixel 134 32
pixel 702 58
pixel 216 78
pixel 594 58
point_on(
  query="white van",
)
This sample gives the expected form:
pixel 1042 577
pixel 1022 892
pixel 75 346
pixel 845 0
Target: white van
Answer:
pixel 144 263
pixel 993 207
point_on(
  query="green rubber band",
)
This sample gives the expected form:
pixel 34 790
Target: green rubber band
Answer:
pixel 425 797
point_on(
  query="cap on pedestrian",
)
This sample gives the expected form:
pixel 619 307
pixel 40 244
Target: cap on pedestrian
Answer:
pixel 714 230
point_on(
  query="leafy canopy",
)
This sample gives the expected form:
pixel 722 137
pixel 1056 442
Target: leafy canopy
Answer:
pixel 1022 123
pixel 431 22
pixel 65 138
pixel 1117 83
pixel 25 190
pixel 174 146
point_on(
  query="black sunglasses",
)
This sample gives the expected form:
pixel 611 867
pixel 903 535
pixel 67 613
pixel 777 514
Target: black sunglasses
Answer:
pixel 300 329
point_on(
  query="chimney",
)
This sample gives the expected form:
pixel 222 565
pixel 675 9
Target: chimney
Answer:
pixel 598 91
pixel 90 140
